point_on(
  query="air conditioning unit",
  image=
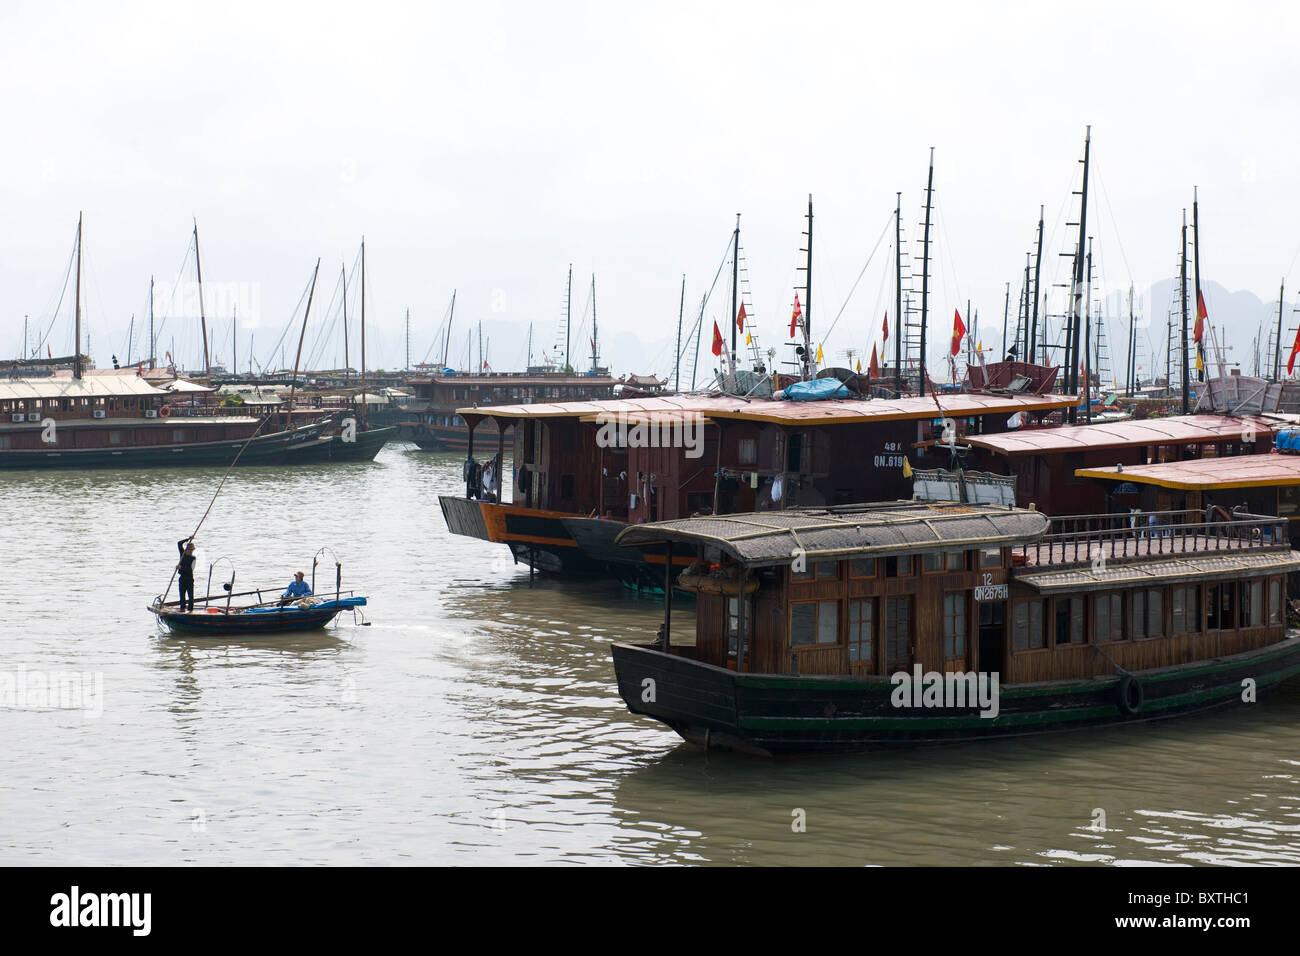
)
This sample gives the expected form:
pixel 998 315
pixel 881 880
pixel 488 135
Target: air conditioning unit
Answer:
pixel 151 413
pixel 18 417
pixel 99 413
pixel 33 416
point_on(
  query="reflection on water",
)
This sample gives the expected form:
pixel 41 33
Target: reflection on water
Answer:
pixel 477 719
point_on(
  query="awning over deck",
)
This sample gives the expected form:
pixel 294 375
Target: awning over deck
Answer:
pixel 868 530
pixel 1208 474
pixel 1190 569
pixel 1176 430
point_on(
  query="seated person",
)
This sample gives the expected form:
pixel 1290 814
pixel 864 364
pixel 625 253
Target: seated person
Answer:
pixel 298 587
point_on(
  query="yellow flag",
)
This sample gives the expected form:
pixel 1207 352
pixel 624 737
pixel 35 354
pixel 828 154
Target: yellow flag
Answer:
pixel 980 347
pixel 907 468
pixel 859 365
pixel 1200 366
pixel 748 340
pixel 819 353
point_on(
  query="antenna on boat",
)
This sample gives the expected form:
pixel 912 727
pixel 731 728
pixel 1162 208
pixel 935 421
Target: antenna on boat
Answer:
pixel 203 322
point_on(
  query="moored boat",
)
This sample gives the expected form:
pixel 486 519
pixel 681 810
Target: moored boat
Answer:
pixel 896 624
pixel 216 616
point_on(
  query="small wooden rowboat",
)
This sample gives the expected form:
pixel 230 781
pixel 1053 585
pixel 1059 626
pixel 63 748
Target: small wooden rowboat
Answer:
pixel 216 615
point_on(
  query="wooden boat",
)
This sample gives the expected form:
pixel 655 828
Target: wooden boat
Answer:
pixel 905 623
pixel 216 616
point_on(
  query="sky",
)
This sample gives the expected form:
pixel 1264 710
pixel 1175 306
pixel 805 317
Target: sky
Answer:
pixel 486 147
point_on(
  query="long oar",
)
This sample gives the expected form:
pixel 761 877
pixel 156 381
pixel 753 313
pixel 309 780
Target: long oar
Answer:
pixel 222 483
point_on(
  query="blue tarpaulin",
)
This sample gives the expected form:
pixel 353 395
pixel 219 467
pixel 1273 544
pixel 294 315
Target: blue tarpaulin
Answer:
pixel 1288 440
pixel 817 390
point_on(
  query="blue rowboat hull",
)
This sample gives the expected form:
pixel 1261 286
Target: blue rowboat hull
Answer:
pixel 263 620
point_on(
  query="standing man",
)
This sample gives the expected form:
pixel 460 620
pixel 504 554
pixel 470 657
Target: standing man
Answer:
pixel 185 571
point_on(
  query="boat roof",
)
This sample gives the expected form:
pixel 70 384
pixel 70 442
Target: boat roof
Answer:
pixel 841 411
pixel 1188 568
pixel 883 528
pixel 102 386
pixel 509 379
pixel 1208 474
pixel 1175 430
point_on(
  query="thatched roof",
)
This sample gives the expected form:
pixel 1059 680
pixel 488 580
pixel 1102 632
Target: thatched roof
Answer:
pixel 903 527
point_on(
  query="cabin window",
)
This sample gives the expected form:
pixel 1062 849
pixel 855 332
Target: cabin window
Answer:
pixel 1274 601
pixel 115 438
pixel 5 442
pixel 747 451
pixel 898 567
pixel 1069 621
pixel 1220 612
pixel 733 625
pixel 1027 631
pixel 178 434
pixel 1252 603
pixel 898 630
pixel 814 622
pixel 817 571
pixel 956 560
pixel 954 624
pixel 932 561
pixel 1108 617
pixel 1186 606
pixel 862 568
pixel 991 558
pixel 862 630
pixel 1148 613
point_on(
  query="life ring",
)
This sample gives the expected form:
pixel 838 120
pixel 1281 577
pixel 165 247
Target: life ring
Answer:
pixel 165 411
pixel 1129 695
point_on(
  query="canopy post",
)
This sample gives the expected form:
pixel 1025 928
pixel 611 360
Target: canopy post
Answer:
pixel 740 620
pixel 469 459
pixel 668 594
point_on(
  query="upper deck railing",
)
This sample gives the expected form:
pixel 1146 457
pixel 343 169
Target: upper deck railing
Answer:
pixel 1083 539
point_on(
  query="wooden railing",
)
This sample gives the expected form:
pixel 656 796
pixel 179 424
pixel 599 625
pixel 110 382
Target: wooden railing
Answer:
pixel 1080 539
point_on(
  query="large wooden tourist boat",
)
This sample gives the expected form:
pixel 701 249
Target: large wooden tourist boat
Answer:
pixel 882 625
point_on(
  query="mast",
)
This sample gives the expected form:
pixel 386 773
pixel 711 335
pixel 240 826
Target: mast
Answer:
pixel 446 348
pixel 1006 311
pixel 153 344
pixel 203 321
pixel 925 270
pixel 293 383
pixel 347 372
pixel 130 333
pixel 530 347
pixel 1077 316
pixel 234 341
pixel 1277 352
pixel 807 294
pixel 568 317
pixel 735 288
pixel 363 333
pixel 1087 342
pixel 76 345
pixel 677 362
pixel 898 295
pixel 594 337
pixel 1132 344
pixel 1024 351
pixel 408 339
pixel 1038 263
pixel 1182 282
pixel 1196 266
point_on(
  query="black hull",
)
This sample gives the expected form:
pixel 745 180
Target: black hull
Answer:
pixel 773 714
pixel 364 447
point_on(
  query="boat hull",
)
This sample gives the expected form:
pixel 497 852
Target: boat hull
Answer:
pixel 773 714
pixel 364 446
pixel 213 622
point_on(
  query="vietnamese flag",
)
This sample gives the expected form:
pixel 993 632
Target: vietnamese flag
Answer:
pixel 1201 315
pixel 874 368
pixel 740 318
pixel 717 340
pixel 794 318
pixel 48 352
pixel 1295 350
pixel 958 330
pixel 886 327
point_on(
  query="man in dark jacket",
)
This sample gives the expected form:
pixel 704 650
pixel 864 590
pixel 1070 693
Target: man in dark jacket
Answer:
pixel 185 571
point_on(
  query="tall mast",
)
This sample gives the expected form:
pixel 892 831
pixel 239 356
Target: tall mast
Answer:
pixel 203 321
pixel 234 341
pixel 677 361
pixel 130 333
pixel 1277 352
pixel 594 337
pixel 408 339
pixel 293 383
pixel 363 332
pixel 1087 342
pixel 450 319
pixel 1024 350
pixel 925 270
pixel 568 317
pixel 530 347
pixel 1196 266
pixel 1038 265
pixel 735 286
pixel 898 295
pixel 1006 311
pixel 1132 344
pixel 807 294
pixel 1077 316
pixel 347 372
pixel 1182 283
pixel 76 349
pixel 153 345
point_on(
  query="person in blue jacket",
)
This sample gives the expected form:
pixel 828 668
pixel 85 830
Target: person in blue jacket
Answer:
pixel 297 587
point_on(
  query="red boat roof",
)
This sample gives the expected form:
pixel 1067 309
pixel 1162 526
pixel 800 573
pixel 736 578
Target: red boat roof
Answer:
pixel 1207 474
pixel 1182 429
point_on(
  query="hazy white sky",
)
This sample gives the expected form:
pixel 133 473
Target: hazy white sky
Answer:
pixel 484 147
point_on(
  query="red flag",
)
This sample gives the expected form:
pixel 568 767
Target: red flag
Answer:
pixel 485 363
pixel 740 318
pixel 1201 316
pixel 874 369
pixel 958 330
pixel 48 352
pixel 1295 350
pixel 139 370
pixel 886 338
pixel 717 340
pixel 798 313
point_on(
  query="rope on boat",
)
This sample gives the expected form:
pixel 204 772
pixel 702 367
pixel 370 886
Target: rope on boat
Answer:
pixel 220 485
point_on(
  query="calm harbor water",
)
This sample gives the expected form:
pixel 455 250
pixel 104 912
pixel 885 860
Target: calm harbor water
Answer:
pixel 476 720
